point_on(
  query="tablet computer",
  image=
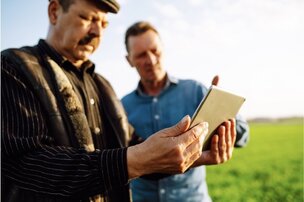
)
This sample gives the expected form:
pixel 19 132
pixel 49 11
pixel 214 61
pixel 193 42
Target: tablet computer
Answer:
pixel 216 107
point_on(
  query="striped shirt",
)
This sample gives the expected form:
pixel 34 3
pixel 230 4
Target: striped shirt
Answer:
pixel 32 161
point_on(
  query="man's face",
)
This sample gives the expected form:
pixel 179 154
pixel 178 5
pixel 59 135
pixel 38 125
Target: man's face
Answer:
pixel 78 31
pixel 145 54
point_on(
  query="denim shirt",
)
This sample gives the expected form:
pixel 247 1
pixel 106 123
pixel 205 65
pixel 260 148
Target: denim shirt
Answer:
pixel 149 114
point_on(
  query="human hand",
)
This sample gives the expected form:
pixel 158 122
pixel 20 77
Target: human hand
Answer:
pixel 215 80
pixel 222 145
pixel 172 150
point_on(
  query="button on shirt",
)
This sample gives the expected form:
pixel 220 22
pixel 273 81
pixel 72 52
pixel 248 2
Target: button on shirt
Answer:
pixel 149 114
pixel 86 90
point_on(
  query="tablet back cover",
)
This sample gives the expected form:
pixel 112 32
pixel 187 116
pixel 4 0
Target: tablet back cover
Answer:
pixel 217 106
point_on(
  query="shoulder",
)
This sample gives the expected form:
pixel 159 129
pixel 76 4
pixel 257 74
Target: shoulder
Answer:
pixel 102 79
pixel 18 69
pixel 129 98
pixel 191 83
pixel 19 58
pixel 193 89
pixel 26 52
pixel 14 59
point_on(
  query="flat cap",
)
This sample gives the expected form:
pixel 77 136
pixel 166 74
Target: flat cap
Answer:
pixel 109 5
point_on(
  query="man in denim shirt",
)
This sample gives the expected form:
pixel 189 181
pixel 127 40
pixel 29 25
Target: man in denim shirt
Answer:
pixel 160 101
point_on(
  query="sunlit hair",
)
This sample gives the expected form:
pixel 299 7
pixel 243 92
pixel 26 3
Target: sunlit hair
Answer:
pixel 138 28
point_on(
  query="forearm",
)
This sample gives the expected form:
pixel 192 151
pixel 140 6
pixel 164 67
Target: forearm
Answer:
pixel 66 171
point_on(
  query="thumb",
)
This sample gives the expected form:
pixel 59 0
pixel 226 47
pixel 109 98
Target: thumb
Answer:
pixel 215 80
pixel 179 128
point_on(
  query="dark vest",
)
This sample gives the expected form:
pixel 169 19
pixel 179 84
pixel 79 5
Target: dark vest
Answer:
pixel 28 62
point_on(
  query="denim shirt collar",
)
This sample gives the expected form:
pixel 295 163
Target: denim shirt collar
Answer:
pixel 170 80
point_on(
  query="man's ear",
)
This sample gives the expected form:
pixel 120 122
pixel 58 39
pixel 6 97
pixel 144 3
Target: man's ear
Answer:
pixel 129 61
pixel 53 9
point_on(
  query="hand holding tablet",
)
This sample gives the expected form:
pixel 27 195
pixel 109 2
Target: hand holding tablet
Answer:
pixel 217 106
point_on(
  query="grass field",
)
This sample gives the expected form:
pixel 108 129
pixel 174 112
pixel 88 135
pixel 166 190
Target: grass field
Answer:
pixel 270 168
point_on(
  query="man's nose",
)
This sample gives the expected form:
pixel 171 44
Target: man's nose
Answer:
pixel 96 28
pixel 152 59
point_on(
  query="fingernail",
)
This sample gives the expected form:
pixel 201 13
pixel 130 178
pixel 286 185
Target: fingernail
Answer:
pixel 184 120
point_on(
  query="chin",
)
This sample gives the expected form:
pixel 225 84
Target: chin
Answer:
pixel 84 56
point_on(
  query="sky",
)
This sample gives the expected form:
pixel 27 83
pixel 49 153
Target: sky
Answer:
pixel 255 46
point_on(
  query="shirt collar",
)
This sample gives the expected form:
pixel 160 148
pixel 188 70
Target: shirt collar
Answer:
pixel 87 66
pixel 170 80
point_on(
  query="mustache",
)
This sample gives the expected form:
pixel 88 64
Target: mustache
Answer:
pixel 89 39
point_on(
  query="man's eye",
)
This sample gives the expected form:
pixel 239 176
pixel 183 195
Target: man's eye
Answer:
pixel 142 55
pixel 84 17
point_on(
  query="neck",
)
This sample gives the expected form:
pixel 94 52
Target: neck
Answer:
pixel 153 88
pixel 54 44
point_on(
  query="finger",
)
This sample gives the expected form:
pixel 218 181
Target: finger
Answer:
pixel 179 128
pixel 193 151
pixel 232 136
pixel 233 129
pixel 215 80
pixel 215 145
pixel 194 147
pixel 195 133
pixel 228 136
pixel 222 142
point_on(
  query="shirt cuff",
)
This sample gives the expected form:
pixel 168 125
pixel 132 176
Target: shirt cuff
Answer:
pixel 113 166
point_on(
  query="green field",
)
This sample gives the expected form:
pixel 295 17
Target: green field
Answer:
pixel 270 168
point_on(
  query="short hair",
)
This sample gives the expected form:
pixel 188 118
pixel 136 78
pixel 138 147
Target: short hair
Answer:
pixel 65 4
pixel 138 28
